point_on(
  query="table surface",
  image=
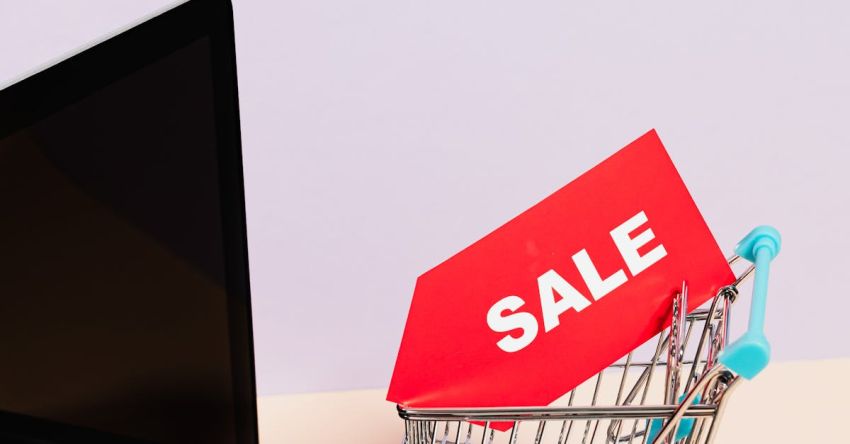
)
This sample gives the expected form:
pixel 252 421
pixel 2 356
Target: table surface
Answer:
pixel 801 401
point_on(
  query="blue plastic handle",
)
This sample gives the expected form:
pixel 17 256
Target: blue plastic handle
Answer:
pixel 749 355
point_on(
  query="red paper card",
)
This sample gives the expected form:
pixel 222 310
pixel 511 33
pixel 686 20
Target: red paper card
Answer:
pixel 552 297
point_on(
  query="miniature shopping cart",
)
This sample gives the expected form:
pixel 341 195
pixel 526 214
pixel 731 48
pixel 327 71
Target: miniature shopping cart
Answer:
pixel 684 405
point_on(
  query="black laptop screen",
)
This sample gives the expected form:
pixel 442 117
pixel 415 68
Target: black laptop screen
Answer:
pixel 113 305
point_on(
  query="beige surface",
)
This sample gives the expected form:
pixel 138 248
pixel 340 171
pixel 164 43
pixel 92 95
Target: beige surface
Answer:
pixel 790 402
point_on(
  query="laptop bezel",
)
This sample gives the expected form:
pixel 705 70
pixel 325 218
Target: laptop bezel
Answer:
pixel 45 92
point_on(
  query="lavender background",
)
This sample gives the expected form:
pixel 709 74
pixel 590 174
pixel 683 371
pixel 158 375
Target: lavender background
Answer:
pixel 381 137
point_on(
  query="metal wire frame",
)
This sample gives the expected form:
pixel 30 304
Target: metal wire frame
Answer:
pixel 704 393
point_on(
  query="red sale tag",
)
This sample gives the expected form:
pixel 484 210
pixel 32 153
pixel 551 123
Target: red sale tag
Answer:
pixel 563 290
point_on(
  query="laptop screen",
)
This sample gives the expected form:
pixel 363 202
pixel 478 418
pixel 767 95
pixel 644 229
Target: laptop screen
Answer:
pixel 114 312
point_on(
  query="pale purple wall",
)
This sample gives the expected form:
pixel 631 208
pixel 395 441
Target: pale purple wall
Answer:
pixel 381 137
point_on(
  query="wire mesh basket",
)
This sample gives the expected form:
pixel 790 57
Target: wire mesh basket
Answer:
pixel 678 395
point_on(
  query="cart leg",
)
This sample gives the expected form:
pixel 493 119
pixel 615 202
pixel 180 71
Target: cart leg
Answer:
pixel 721 406
pixel 673 422
pixel 514 433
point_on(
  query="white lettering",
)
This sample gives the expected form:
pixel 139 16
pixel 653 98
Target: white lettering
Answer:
pixel 522 320
pixel 550 282
pixel 628 246
pixel 598 287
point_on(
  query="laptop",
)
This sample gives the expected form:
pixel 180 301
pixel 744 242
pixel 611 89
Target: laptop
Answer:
pixel 124 297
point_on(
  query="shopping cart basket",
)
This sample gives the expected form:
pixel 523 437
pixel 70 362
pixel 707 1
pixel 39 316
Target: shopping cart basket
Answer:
pixel 655 409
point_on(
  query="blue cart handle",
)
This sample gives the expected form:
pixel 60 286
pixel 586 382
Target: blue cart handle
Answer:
pixel 749 355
